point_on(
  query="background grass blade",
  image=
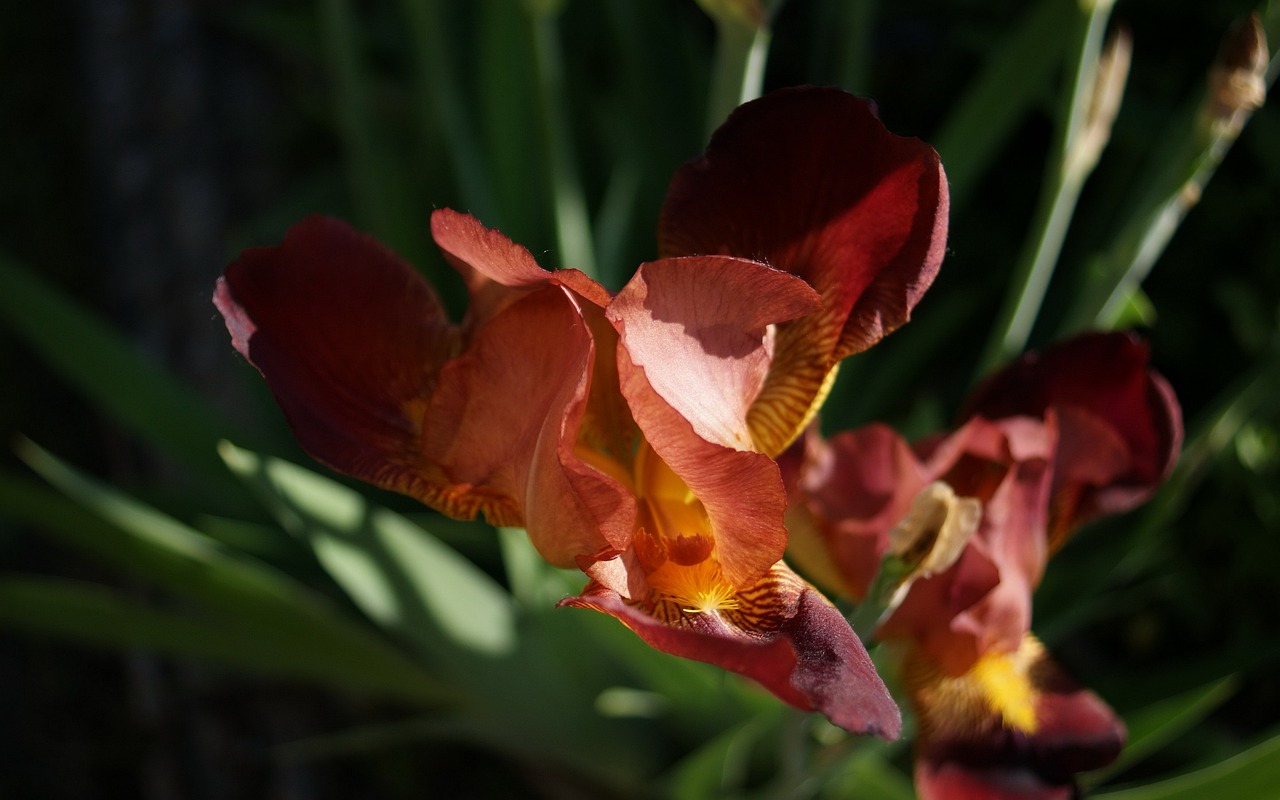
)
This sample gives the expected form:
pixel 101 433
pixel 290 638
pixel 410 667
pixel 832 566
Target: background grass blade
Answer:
pixel 396 572
pixel 247 594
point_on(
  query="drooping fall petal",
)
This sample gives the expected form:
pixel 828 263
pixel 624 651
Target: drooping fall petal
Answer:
pixel 1120 424
pixel 809 181
pixel 1017 727
pixel 782 634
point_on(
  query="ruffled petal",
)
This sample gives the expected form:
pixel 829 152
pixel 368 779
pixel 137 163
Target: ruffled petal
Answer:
pixel 784 635
pixel 809 181
pixel 496 269
pixel 351 340
pixel 1094 382
pixel 377 384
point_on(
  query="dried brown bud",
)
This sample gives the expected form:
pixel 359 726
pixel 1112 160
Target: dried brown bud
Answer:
pixel 1237 80
pixel 1104 102
pixel 749 13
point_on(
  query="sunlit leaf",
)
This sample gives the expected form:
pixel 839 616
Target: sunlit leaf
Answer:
pixel 104 617
pixel 402 577
pixel 249 594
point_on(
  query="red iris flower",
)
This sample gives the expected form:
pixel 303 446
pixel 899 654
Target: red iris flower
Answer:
pixel 1056 439
pixel 632 436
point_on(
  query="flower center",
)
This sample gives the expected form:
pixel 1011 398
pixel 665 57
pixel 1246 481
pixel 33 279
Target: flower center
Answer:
pixel 697 588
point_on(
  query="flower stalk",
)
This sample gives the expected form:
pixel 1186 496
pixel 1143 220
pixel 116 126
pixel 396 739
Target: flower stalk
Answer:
pixel 1083 128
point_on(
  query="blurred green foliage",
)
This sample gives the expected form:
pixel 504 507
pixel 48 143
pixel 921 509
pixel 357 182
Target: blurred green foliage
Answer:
pixel 134 166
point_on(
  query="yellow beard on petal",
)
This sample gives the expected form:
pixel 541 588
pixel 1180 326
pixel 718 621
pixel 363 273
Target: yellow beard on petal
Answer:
pixel 1007 688
pixel 997 690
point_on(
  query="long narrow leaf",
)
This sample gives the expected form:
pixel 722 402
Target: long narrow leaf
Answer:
pixel 162 551
pixel 103 617
pixel 1155 726
pixel 1010 85
pixel 1252 773
pixel 396 572
pixel 116 378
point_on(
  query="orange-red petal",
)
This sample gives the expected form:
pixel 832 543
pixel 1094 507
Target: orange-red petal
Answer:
pixel 856 487
pixel 699 328
pixel 798 646
pixel 505 419
pixel 376 383
pixel 693 346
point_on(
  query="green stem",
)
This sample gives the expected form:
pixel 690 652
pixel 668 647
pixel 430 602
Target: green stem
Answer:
pixel 1057 201
pixel 857 20
pixel 338 26
pixel 573 224
pixel 879 598
pixel 442 104
pixel 737 75
pixel 1174 183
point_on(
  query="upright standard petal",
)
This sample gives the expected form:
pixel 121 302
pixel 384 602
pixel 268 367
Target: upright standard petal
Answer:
pixel 809 181
pixel 694 344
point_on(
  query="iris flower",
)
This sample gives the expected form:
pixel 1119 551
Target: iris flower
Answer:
pixel 633 435
pixel 1085 429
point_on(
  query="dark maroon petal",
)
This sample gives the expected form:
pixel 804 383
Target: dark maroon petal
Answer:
pixel 809 181
pixel 1106 377
pixel 349 338
pixel 949 780
pixel 811 660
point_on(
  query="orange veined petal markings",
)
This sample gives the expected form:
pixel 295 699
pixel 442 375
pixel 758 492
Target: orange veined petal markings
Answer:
pixel 682 593
pixel 785 407
pixel 429 484
pixel 767 604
